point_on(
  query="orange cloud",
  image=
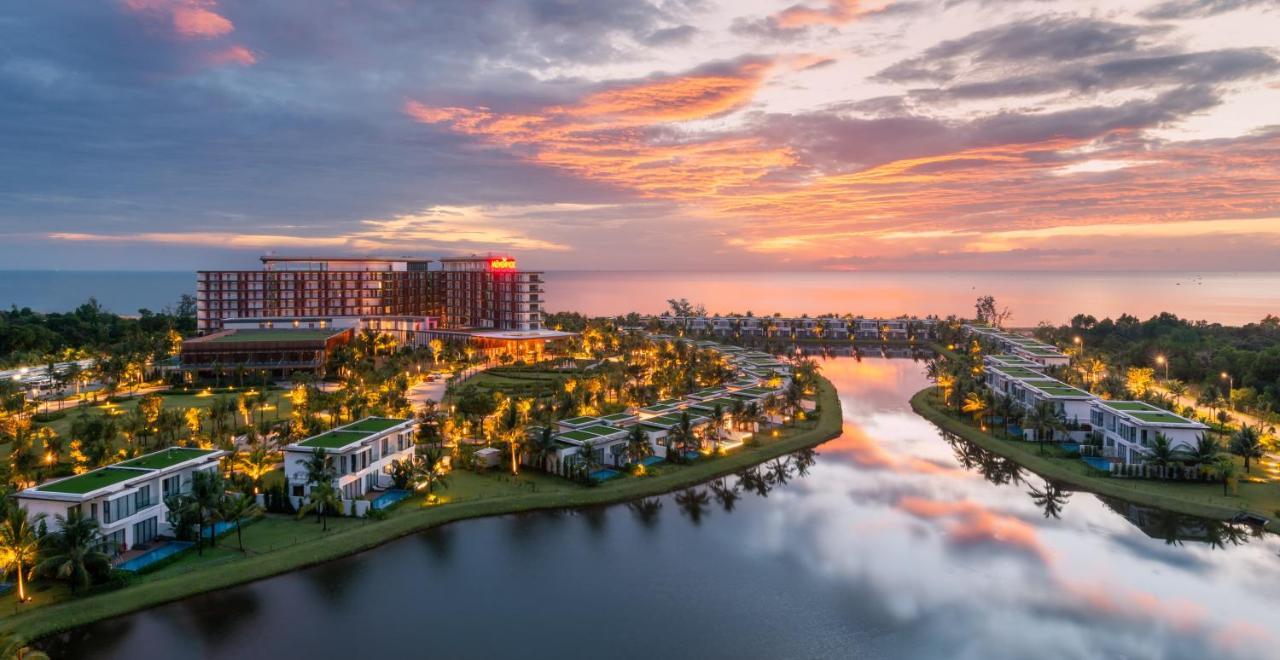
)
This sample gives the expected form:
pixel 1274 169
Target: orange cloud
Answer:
pixel 200 23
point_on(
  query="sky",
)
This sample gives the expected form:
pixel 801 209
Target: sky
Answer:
pixel 668 134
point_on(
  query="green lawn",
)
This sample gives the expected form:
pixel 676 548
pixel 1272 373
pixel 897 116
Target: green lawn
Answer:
pixel 278 544
pixel 1198 499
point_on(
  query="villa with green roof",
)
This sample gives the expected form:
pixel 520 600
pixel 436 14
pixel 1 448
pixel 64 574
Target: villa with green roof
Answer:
pixel 1029 388
pixel 1129 428
pixel 126 498
pixel 360 454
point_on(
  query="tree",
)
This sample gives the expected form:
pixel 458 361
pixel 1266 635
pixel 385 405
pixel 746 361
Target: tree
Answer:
pixel 975 404
pixel 428 471
pixel 207 491
pixel 638 447
pixel 436 346
pixel 237 508
pixel 1205 452
pixel 1247 444
pixel 988 312
pixel 73 552
pixel 542 447
pixel 1140 380
pixel 19 545
pixel 1161 452
pixel 256 463
pixel 322 499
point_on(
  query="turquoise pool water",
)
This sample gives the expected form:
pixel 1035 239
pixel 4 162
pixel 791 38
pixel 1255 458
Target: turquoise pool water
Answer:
pixel 605 475
pixel 152 556
pixel 1097 462
pixel 390 497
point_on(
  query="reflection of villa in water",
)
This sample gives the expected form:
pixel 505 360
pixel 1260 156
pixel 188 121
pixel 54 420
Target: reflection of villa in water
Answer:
pixel 1174 527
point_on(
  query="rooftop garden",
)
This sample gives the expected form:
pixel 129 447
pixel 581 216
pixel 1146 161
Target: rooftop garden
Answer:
pixel 90 481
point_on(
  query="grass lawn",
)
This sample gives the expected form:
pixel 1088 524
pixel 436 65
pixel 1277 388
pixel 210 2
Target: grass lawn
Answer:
pixel 1198 499
pixel 278 544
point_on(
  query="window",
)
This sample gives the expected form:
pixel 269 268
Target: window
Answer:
pixel 113 543
pixel 171 486
pixel 142 498
pixel 145 531
pixel 297 490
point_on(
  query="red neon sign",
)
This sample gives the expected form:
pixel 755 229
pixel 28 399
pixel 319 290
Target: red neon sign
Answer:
pixel 502 263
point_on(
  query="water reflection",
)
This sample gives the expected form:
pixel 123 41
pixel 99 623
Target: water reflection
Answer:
pixel 1176 529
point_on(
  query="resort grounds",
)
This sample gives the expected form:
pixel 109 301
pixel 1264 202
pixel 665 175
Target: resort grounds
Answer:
pixel 1255 495
pixel 276 544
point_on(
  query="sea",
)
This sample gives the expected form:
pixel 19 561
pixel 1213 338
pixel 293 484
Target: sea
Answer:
pixel 1032 297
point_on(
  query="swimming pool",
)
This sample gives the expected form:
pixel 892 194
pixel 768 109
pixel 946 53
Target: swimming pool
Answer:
pixel 651 460
pixel 390 497
pixel 605 474
pixel 218 529
pixel 1097 462
pixel 152 556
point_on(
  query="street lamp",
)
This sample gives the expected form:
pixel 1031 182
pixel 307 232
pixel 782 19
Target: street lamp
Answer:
pixel 1162 360
pixel 1231 385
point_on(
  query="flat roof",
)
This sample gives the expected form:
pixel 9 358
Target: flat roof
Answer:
pixel 1148 414
pixel 166 458
pixel 269 335
pixel 91 481
pixel 578 421
pixel 335 439
pixel 373 424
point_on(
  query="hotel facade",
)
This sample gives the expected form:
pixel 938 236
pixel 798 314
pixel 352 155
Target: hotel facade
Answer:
pixel 463 293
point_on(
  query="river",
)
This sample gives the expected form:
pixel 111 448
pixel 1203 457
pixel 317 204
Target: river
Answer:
pixel 892 541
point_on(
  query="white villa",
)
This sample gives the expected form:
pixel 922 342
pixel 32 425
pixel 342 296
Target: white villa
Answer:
pixel 1129 429
pixel 127 498
pixel 361 454
pixel 804 327
pixel 1020 346
pixel 1029 388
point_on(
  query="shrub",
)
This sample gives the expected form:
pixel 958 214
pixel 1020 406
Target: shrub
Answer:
pixel 45 417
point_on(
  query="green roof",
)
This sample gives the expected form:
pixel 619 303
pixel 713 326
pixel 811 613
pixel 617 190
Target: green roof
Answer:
pixel 373 424
pixel 670 421
pixel 335 439
pixel 578 421
pixel 579 436
pixel 166 458
pixel 1129 406
pixel 273 335
pixel 618 417
pixel 601 430
pixel 91 481
pixel 1161 418
pixel 726 404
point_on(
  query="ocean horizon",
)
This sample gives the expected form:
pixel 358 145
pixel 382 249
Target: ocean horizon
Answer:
pixel 1034 296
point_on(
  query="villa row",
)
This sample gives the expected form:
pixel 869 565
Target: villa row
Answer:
pixel 759 377
pixel 903 329
pixel 1019 345
pixel 1128 428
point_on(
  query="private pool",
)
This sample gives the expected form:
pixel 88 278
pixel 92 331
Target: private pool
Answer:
pixel 605 474
pixel 152 556
pixel 1097 462
pixel 390 497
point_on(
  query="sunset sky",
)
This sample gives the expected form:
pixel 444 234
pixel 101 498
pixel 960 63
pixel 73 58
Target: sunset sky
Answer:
pixel 673 134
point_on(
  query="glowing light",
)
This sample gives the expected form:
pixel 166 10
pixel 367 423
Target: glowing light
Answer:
pixel 503 263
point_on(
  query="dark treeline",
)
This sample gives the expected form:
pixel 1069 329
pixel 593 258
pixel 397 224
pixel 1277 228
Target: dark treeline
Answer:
pixel 1197 352
pixel 28 337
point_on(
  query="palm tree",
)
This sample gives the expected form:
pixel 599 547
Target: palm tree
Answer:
pixel 1162 452
pixel 638 447
pixel 19 545
pixel 322 499
pixel 236 508
pixel 1205 453
pixel 1177 388
pixel 541 447
pixel 207 491
pixel 427 472
pixel 256 463
pixel 74 551
pixel 693 501
pixel 1247 444
pixel 975 404
pixel 586 462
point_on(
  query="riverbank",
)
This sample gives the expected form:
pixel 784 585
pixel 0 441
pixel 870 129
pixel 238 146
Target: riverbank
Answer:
pixel 1197 499
pixel 408 519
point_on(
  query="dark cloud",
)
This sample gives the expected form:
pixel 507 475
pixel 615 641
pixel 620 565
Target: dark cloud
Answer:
pixel 1201 8
pixel 1052 39
pixel 672 36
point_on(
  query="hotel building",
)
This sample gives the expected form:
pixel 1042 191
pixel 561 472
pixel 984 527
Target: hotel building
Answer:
pixel 465 293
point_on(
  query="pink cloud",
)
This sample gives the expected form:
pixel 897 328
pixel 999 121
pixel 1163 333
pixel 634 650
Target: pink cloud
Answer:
pixel 200 23
pixel 233 55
